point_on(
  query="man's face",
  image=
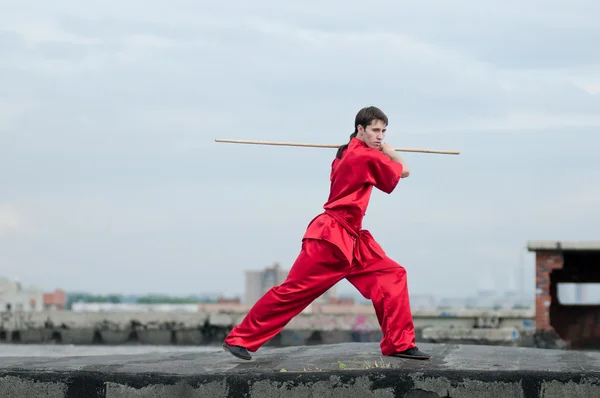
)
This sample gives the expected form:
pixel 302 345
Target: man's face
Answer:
pixel 373 135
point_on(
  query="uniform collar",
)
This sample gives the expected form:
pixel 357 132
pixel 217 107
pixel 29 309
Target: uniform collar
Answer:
pixel 356 143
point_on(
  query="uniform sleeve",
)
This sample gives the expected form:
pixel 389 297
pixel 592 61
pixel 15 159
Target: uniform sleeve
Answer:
pixel 383 172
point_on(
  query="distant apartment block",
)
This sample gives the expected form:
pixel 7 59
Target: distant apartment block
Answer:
pixel 16 297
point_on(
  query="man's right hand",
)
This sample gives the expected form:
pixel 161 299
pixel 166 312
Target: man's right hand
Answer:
pixel 388 149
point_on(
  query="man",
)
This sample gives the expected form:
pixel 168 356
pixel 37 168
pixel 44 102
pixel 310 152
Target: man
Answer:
pixel 335 246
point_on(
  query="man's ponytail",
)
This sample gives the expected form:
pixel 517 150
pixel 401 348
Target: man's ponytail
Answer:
pixel 345 146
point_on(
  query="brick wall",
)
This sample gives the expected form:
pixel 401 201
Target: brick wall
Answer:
pixel 545 262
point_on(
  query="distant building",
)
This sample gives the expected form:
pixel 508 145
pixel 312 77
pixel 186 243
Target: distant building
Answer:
pixel 490 299
pixel 258 282
pixel 341 301
pixel 451 302
pixel 422 301
pixel 228 300
pixel 132 307
pixel 484 298
pixel 56 300
pixel 571 264
pixel 15 297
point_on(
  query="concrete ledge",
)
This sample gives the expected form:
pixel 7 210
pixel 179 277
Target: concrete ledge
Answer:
pixel 500 336
pixel 554 245
pixel 341 370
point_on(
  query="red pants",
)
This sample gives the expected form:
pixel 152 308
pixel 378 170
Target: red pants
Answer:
pixel 319 266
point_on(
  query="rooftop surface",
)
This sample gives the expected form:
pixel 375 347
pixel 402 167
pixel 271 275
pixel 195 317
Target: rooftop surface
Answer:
pixel 340 370
pixel 575 245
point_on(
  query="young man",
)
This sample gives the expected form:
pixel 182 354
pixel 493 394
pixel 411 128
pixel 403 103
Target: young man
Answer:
pixel 335 246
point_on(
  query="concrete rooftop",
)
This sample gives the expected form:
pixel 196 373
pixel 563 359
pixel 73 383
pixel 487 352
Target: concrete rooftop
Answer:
pixel 540 245
pixel 341 370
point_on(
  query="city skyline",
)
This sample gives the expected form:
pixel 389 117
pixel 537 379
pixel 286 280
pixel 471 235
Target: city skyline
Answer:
pixel 587 293
pixel 112 182
pixel 489 285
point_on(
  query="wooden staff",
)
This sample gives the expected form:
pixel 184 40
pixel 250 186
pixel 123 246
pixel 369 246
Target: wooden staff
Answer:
pixel 421 150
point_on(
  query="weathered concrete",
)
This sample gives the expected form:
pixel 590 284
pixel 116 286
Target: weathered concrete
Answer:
pixel 344 370
pixel 209 327
pixel 488 336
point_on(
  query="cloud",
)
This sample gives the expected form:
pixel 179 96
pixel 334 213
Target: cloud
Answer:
pixel 284 54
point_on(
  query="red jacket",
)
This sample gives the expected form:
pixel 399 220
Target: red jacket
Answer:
pixel 352 180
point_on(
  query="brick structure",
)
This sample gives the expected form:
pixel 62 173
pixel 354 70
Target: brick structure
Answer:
pixel 545 263
pixel 57 300
pixel 575 326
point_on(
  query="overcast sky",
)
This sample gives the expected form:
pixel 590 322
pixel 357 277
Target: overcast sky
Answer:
pixel 110 179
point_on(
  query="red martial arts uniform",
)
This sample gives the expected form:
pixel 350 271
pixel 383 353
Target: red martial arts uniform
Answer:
pixel 335 247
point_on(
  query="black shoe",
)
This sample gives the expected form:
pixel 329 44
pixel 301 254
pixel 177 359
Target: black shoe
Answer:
pixel 237 351
pixel 412 353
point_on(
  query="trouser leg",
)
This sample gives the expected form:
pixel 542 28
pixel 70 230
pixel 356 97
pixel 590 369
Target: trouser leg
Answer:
pixel 385 283
pixel 318 267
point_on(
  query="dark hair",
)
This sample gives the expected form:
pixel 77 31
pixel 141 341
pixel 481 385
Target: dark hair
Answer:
pixel 364 117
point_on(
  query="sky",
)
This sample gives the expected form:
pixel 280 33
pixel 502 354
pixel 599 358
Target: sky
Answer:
pixel 111 182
